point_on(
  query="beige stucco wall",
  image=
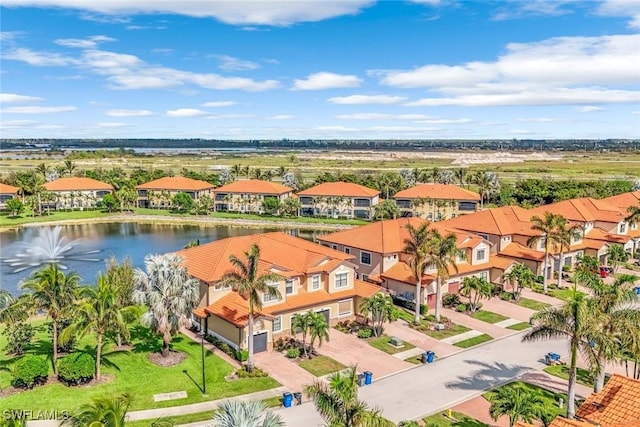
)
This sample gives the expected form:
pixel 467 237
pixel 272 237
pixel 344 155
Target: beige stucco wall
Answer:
pixel 224 330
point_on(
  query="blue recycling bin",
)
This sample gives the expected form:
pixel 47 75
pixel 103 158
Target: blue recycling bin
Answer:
pixel 637 290
pixel 368 377
pixel 287 400
pixel 554 356
pixel 430 356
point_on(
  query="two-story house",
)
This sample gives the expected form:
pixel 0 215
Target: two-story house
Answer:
pixel 160 192
pixel 624 202
pixel 7 192
pixel 436 202
pixel 339 200
pixel 313 278
pixel 249 195
pixel 78 192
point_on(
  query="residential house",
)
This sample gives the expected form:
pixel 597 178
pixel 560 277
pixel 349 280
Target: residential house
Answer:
pixel 436 202
pixel 78 192
pixel 7 192
pixel 249 195
pixel 339 200
pixel 623 202
pixel 314 278
pixel 380 257
pixel 160 192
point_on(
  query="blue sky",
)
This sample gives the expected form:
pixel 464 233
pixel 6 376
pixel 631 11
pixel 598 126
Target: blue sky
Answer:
pixel 427 69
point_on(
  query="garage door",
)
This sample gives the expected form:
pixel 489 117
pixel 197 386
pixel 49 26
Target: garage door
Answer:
pixel 260 342
pixel 453 287
pixel 327 314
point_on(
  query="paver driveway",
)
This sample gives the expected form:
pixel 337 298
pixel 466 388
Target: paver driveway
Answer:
pixel 286 372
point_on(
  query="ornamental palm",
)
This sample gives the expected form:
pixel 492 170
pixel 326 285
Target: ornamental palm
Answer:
pixel 634 214
pixel 517 403
pixel 318 329
pixel 249 284
pixel 169 294
pixel 102 411
pixel 475 288
pixel 416 248
pixel 519 277
pixel 565 234
pixel 338 403
pixel 381 309
pixel 617 255
pixel 245 414
pixel 300 323
pixel 442 251
pixel 52 291
pixel 547 227
pixel 10 310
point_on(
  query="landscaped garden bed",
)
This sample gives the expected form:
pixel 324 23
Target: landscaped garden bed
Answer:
pixel 549 399
pixel 459 420
pixel 384 343
pixel 470 342
pixel 488 316
pixel 321 365
pixel 583 376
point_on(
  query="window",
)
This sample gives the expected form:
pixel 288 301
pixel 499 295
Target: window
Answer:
pixel 344 307
pixel 480 254
pixel 276 325
pixel 334 246
pixel 567 261
pixel 365 258
pixel 288 287
pixel 579 254
pixel 315 282
pixel 347 250
pixel 266 297
pixel 484 236
pixel 342 280
pixel 365 278
pixel 623 228
pixel 484 275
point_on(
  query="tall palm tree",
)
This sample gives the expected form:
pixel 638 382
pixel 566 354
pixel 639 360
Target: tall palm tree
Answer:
pixel 245 414
pixel 10 311
pixel 381 309
pixel 443 252
pixel 168 293
pixel 53 292
pixel 565 235
pixel 547 227
pixel 570 321
pixel 69 166
pixel 338 403
pixel 616 255
pixel 247 281
pixel 318 329
pixel 300 323
pixel 634 214
pixel 102 411
pixel 517 403
pixel 416 248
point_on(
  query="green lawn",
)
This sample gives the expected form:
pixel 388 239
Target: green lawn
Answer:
pixel 321 365
pixel 382 343
pixel 416 360
pixel 446 333
pixel 550 398
pixel 473 341
pixel 519 326
pixel 562 371
pixel 132 372
pixel 532 304
pixel 563 294
pixel 441 420
pixel 25 218
pixel 488 316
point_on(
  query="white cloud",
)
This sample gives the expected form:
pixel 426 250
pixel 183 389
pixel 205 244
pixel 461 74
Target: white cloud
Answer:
pixel 38 110
pixel 229 116
pixel 281 117
pixel 521 9
pixel 17 124
pixel 624 8
pixel 186 112
pixel 88 43
pixel 326 80
pixel 9 36
pixel 216 104
pixel 111 125
pixel 635 112
pixel 6 98
pixel 367 99
pixel 277 12
pixel 129 113
pixel 40 59
pixel 589 109
pixel 540 120
pixel 416 118
pixel 428 2
pixel 230 63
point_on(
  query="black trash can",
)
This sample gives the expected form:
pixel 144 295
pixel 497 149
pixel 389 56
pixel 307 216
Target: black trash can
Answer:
pixel 424 357
pixel 297 397
pixel 361 380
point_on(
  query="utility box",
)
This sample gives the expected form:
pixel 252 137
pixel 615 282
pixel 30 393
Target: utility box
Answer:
pixel 396 342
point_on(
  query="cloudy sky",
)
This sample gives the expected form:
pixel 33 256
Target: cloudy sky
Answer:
pixel 320 69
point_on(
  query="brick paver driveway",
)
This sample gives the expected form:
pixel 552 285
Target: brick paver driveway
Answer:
pixel 286 372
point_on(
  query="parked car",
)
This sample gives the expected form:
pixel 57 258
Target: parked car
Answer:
pixel 605 271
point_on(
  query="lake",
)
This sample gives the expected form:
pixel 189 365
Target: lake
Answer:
pixel 121 240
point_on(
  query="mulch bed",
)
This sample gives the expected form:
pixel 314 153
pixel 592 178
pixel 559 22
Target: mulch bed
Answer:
pixel 174 358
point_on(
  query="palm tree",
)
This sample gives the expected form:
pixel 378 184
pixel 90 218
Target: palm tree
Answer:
pixel 102 411
pixel 519 277
pixel 565 235
pixel 249 284
pixel 381 309
pixel 634 214
pixel 169 294
pixel 547 227
pixel 338 403
pixel 443 252
pixel 245 414
pixel 475 288
pixel 570 321
pixel 616 255
pixel 416 248
pixel 69 166
pixel 10 312
pixel 460 174
pixel 300 323
pixel 517 403
pixel 318 329
pixel 52 291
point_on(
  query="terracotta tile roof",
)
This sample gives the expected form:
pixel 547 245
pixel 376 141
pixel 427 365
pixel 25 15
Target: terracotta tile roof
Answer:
pixel 617 402
pixel 590 244
pixel 624 200
pixel 502 221
pixel 254 186
pixel 585 209
pixel 599 234
pixel 523 424
pixel 388 236
pixel 401 271
pixel 8 189
pixel 279 252
pixel 516 250
pixel 437 191
pixel 501 262
pixel 77 184
pixel 564 422
pixel 176 183
pixel 347 189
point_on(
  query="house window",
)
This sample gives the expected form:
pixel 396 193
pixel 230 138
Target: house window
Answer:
pixel 341 280
pixel 334 246
pixel 484 236
pixel 347 250
pixel 266 297
pixel 365 277
pixel 623 228
pixel 365 258
pixel 315 282
pixel 484 275
pixel 480 254
pixel 344 307
pixel 579 254
pixel 567 260
pixel 276 326
pixel 288 289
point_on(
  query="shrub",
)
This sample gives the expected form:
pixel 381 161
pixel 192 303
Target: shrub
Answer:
pixel 293 353
pixel 540 279
pixel 223 346
pixel 256 373
pixel 566 268
pixel 282 344
pixel 19 336
pixel 450 300
pixel 461 308
pixel 343 326
pixel 241 355
pixel 506 296
pixel 424 309
pixel 76 368
pixel 365 333
pixel 29 372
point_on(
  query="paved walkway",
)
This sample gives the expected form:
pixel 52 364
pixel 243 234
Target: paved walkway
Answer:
pixel 461 337
pixel 422 341
pixel 528 293
pixel 404 355
pixel 475 324
pixel 509 309
pixel 506 323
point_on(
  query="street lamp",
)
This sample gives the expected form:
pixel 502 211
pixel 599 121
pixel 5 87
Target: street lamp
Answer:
pixel 202 334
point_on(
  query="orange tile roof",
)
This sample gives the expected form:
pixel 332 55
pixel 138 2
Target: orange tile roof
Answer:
pixel 502 221
pixel 624 200
pixel 617 402
pixel 176 183
pixel 585 209
pixel 254 186
pixel 77 184
pixel 346 189
pixel 516 250
pixel 599 234
pixel 401 271
pixel 278 252
pixel 8 189
pixel 565 422
pixel 437 191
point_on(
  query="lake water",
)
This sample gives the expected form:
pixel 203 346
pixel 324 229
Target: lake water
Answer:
pixel 121 240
